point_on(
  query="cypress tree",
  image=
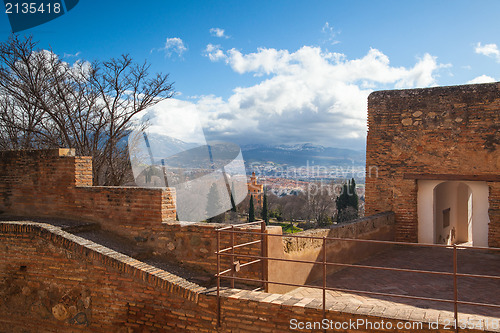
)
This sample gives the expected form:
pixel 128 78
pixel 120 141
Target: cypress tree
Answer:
pixel 251 210
pixel 343 198
pixel 347 202
pixel 353 197
pixel 233 205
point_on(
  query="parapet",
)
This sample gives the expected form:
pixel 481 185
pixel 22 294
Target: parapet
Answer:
pixel 56 183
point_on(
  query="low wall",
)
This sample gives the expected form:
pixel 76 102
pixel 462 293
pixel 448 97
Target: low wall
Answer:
pixel 195 244
pixel 52 281
pixel 376 227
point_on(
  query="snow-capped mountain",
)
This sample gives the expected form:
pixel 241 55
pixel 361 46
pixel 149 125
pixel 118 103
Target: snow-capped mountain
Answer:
pixel 302 154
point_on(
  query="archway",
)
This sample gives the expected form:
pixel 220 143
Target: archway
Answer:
pixel 453 212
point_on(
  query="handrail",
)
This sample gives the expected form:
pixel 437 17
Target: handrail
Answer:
pixel 239 225
pixel 364 240
pixel 239 245
pixel 263 258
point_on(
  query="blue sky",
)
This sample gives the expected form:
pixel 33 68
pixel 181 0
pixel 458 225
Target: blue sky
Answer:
pixel 285 71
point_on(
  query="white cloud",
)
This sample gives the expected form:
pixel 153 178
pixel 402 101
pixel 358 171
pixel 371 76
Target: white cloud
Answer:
pixel 374 66
pixel 489 50
pixel 265 61
pixel 181 122
pixel 330 33
pixel 174 45
pixel 309 95
pixel 214 52
pixel 482 79
pixel 218 32
pixel 77 71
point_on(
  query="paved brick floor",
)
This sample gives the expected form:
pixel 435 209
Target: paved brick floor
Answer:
pixel 423 285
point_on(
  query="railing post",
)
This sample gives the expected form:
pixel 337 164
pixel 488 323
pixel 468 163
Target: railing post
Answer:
pixel 324 277
pixel 232 256
pixel 218 279
pixel 263 253
pixel 455 287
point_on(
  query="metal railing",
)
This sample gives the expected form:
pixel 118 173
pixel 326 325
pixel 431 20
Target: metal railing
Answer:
pixel 263 258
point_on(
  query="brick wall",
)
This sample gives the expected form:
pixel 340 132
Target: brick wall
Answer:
pixel 494 213
pixel 195 244
pixel 52 281
pixel 55 183
pixel 447 132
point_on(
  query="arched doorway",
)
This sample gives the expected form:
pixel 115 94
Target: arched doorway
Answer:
pixel 453 212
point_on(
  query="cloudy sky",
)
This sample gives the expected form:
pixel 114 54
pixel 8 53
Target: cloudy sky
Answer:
pixel 285 72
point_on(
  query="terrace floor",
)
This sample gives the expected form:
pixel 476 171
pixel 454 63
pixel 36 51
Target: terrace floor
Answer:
pixel 470 261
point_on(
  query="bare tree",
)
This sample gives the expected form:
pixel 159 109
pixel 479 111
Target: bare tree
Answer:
pixel 45 103
pixel 321 202
pixel 293 207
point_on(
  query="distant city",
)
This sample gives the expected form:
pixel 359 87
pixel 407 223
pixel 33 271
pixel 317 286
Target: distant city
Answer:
pixel 290 169
pixel 283 169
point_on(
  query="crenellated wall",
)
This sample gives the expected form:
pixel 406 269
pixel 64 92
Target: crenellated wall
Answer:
pixel 53 281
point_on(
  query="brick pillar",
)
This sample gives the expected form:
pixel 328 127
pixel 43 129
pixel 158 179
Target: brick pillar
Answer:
pixel 494 214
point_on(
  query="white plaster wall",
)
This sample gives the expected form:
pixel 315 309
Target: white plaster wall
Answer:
pixel 480 218
pixel 425 211
pixel 479 209
pixel 469 219
pixel 447 193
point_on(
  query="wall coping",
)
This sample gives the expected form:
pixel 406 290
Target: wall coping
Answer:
pixel 311 232
pixel 412 313
pixel 466 88
pixel 106 256
pixel 61 152
pixel 128 188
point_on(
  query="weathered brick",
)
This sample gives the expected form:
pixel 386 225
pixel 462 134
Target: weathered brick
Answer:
pixel 442 130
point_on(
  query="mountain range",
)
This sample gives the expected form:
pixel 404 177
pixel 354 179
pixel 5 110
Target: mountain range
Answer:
pixel 180 152
pixel 302 154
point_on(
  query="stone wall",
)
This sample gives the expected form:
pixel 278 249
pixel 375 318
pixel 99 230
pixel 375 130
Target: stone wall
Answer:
pixel 494 213
pixel 52 281
pixel 55 183
pixel 195 244
pixel 443 133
